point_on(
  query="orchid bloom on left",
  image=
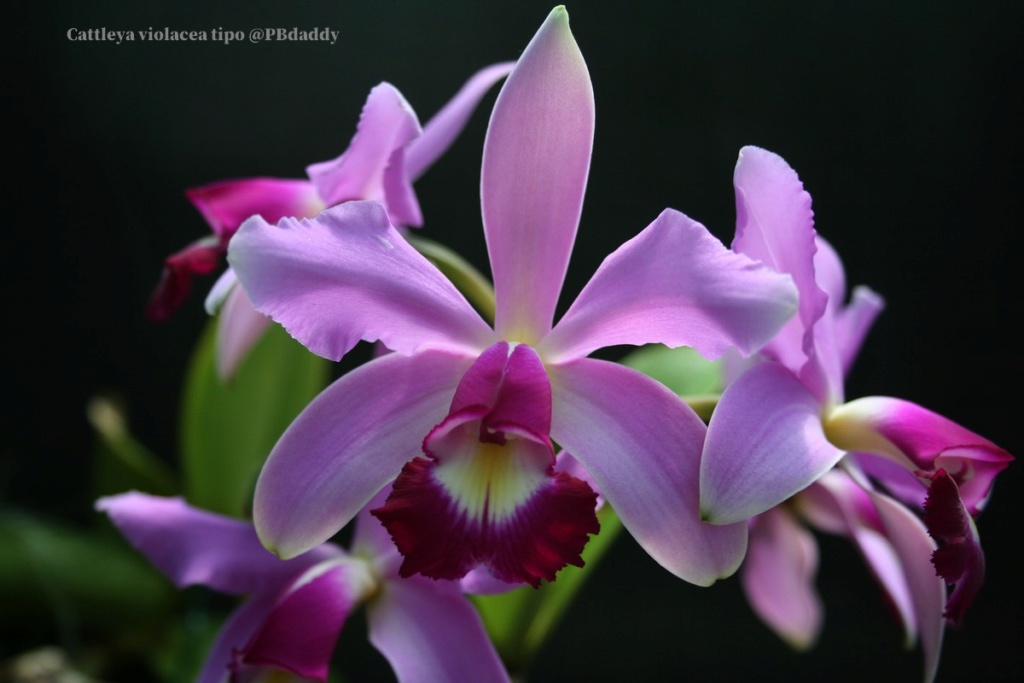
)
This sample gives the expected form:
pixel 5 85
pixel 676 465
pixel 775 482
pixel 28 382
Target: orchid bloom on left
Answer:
pixel 784 423
pixel 485 407
pixel 427 630
pixel 388 152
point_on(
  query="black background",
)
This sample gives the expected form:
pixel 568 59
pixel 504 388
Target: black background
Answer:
pixel 903 119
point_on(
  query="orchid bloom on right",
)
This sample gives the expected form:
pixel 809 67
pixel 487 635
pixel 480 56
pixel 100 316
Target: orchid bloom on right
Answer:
pixel 388 152
pixel 783 425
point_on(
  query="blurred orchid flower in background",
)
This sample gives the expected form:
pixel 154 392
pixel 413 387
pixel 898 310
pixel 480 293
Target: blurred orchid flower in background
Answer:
pixel 427 630
pixel 388 152
pixel 487 405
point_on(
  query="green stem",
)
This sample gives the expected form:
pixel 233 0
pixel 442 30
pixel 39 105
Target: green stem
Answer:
pixel 467 279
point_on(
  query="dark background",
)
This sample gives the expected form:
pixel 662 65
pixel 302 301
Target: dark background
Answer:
pixel 903 119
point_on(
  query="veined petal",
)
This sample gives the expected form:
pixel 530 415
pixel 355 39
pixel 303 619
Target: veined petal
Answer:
pixel 302 628
pixel 348 275
pixel 676 284
pixel 227 204
pixel 919 439
pixel 386 124
pixel 765 442
pixel 535 167
pixel 348 444
pixel 914 548
pixel 641 443
pixel 239 327
pixel 442 129
pixel 430 633
pixel 778 577
pixel 195 547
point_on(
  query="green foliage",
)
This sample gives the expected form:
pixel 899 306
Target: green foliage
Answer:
pixel 228 428
pixel 74 577
pixel 121 462
pixel 684 371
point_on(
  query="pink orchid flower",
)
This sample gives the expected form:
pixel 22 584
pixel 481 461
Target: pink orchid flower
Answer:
pixel 485 407
pixel 427 630
pixel 783 425
pixel 388 152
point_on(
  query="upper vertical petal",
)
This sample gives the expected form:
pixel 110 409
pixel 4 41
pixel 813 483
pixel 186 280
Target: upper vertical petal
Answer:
pixel 775 224
pixel 536 161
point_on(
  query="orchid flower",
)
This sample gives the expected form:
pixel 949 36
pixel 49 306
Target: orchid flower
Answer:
pixel 388 152
pixel 485 406
pixel 783 424
pixel 427 630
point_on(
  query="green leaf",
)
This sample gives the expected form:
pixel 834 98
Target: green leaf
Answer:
pixel 684 371
pixel 122 463
pixel 73 579
pixel 519 621
pixel 229 428
pixel 467 279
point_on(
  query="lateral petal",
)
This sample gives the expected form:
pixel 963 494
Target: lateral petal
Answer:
pixel 535 167
pixel 196 547
pixel 765 442
pixel 641 444
pixel 676 284
pixel 430 633
pixel 348 275
pixel 348 444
